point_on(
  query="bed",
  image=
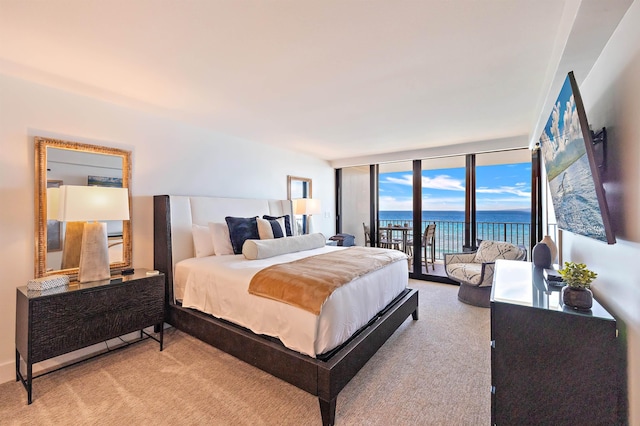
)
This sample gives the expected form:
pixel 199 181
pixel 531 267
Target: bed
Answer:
pixel 319 367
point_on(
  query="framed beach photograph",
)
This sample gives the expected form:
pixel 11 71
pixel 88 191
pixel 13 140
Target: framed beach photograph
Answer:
pixel 574 179
pixel 112 182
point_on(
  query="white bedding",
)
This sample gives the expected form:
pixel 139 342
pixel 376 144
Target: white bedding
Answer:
pixel 218 285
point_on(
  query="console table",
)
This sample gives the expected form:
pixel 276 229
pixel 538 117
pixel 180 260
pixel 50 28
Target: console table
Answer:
pixel 551 364
pixel 61 320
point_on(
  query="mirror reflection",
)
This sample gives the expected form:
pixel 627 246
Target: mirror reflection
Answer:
pixel 66 163
pixel 299 187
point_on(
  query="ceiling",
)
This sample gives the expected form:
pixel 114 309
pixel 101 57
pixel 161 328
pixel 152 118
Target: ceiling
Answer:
pixel 336 79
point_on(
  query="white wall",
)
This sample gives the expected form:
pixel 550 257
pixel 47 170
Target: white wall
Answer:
pixel 611 94
pixel 355 201
pixel 167 158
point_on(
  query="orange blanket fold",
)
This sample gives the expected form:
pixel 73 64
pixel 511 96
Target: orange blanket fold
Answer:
pixel 308 282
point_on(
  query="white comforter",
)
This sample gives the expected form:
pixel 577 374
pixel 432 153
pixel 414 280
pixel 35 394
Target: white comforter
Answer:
pixel 218 285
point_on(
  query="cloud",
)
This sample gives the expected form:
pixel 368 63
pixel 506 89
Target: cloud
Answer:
pixel 428 203
pixel 443 203
pixel 555 123
pixel 396 204
pixel 504 190
pixel 558 139
pixel 448 203
pixel 403 180
pixel 442 182
pixel 503 203
pixel 447 183
pixel 548 147
pixel 571 121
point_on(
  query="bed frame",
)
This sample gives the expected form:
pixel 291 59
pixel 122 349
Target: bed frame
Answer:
pixel 323 377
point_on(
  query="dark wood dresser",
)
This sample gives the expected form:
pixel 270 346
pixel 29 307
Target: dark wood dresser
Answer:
pixel 551 364
pixel 60 320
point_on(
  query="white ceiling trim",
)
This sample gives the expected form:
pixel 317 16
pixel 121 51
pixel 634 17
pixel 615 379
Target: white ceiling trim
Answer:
pixel 478 147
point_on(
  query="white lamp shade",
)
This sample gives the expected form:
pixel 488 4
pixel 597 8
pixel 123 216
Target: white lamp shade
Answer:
pixel 87 203
pixel 307 206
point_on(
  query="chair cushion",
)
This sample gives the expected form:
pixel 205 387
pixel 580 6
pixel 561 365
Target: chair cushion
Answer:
pixel 470 273
pixel 459 257
pixel 489 251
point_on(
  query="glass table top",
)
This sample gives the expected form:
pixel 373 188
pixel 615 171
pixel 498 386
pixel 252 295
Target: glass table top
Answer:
pixel 521 283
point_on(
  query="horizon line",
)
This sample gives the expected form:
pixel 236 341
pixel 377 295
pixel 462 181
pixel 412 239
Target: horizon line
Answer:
pixel 478 210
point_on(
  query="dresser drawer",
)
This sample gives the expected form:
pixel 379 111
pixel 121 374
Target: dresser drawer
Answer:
pixel 74 320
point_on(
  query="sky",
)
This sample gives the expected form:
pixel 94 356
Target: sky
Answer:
pixel 498 187
pixel 563 126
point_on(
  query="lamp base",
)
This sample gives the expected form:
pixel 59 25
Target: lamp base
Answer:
pixel 72 244
pixel 94 255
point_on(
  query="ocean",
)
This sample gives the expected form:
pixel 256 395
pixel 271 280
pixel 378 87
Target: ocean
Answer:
pixel 500 225
pixel 502 216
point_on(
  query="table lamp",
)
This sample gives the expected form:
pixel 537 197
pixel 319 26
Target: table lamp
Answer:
pixel 53 203
pixel 308 207
pixel 93 203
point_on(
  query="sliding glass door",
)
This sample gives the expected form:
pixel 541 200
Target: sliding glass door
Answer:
pixel 395 227
pixel 443 190
pixel 503 196
pixel 432 206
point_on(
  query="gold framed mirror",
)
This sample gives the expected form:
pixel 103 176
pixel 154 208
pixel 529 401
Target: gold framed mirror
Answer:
pixel 298 187
pixel 59 163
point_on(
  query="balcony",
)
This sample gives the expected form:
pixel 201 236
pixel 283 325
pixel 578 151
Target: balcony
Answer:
pixel 449 236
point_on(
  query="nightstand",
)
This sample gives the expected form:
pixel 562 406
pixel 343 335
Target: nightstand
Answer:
pixel 53 322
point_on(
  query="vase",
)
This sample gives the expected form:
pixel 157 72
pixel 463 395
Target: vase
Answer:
pixel 541 255
pixel 576 297
pixel 552 247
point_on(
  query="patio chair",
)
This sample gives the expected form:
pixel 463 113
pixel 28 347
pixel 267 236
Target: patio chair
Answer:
pixel 386 240
pixel 429 241
pixel 474 270
pixel 367 235
pixel 383 239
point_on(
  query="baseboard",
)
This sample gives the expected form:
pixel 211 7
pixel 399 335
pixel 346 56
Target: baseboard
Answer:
pixel 7 371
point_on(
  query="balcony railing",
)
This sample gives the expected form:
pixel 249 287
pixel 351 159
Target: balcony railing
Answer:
pixel 450 234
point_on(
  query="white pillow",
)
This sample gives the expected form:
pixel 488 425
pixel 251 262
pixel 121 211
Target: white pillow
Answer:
pixel 202 242
pixel 264 229
pixel 221 239
pixel 261 249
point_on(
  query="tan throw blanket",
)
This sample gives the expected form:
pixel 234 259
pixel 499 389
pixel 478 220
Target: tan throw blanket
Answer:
pixel 308 282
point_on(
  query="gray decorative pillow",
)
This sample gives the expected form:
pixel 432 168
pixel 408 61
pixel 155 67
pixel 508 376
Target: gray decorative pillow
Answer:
pixel 262 249
pixel 240 230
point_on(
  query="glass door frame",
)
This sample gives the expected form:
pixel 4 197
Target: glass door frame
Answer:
pixel 470 209
pixel 416 271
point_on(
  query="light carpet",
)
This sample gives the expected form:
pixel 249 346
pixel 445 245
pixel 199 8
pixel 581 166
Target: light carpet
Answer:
pixel 434 371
